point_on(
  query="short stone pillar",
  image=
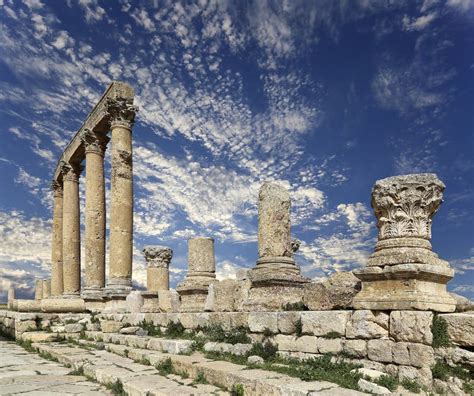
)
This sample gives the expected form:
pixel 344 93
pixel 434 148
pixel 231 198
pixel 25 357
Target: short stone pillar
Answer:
pixel 122 116
pixel 71 230
pixel 57 285
pixel 38 289
pixel 276 275
pixel 11 297
pixel 46 288
pixel 158 259
pixel 201 273
pixel 404 273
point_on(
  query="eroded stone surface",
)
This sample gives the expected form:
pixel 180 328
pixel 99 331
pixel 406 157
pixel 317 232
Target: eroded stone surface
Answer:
pixel 411 326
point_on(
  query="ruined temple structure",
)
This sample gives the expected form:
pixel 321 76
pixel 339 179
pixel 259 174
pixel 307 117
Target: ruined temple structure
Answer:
pixel 385 316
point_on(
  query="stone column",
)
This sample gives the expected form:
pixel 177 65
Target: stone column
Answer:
pixel 57 285
pixel 122 115
pixel 275 264
pixel 95 145
pixel 158 260
pixel 404 273
pixel 38 289
pixel 201 273
pixel 46 288
pixel 71 230
pixel 11 297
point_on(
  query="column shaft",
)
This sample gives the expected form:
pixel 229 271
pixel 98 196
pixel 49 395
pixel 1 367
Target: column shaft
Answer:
pixel 57 286
pixel 95 215
pixel 122 115
pixel 71 231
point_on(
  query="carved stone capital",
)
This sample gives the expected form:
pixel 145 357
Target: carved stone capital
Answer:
pixel 404 205
pixel 158 256
pixel 70 171
pixel 93 142
pixel 121 112
pixel 57 188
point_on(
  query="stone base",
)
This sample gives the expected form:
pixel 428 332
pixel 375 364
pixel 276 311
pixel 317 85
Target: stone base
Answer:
pixel 276 271
pixel 168 300
pixel 95 305
pixel 150 302
pixel 27 305
pixel 118 288
pixel 93 294
pixel 193 302
pixel 63 305
pixel 405 287
pixel 116 303
pixel 273 298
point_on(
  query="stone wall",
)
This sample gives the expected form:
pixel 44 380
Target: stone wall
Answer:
pixel 399 343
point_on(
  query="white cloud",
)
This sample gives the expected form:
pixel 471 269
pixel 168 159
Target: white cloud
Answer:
pixel 93 11
pixel 461 5
pixel 419 23
pixel 143 19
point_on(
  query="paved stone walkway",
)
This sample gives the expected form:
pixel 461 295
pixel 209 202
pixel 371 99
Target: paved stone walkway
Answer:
pixel 27 373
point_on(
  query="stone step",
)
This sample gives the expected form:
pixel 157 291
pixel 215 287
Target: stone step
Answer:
pixel 220 373
pixel 135 379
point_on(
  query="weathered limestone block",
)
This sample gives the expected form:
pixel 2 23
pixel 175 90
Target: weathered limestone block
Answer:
pixel 39 336
pixel 372 388
pixel 404 273
pixel 73 328
pixel 380 350
pixel 110 326
pixel 411 326
pixel 201 273
pixel 286 342
pixel 463 304
pixel 461 328
pixel 27 305
pixel 259 322
pixel 307 344
pixel 355 348
pixel 342 287
pixel 222 296
pixel 168 300
pixel 367 324
pixel 287 321
pixel 413 354
pixel 423 376
pixel 329 345
pixel 456 355
pixel 321 323
pixel 316 297
pixel 25 325
pixel 134 301
pixel 63 305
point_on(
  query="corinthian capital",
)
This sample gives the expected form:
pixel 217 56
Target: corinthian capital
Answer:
pixel 405 205
pixel 121 111
pixel 94 142
pixel 70 171
pixel 57 188
pixel 158 256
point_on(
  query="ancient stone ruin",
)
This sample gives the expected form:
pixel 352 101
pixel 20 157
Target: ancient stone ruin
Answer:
pixel 271 331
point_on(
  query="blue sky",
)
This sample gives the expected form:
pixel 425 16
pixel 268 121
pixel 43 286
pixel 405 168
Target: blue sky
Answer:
pixel 325 96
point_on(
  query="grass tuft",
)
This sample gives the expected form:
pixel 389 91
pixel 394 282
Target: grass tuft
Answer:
pixel 439 328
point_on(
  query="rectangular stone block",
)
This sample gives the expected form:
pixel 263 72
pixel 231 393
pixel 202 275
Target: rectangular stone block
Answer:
pixel 287 322
pixel 261 321
pixel 285 342
pixel 168 300
pixel 110 326
pixel 380 350
pixel 307 344
pixel 326 345
pixel 355 348
pixel 321 323
pixel 411 326
pixel 413 354
pixel 367 324
pixel 461 328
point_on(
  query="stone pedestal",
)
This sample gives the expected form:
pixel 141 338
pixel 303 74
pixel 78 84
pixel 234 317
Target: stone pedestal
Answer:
pixel 276 279
pixel 57 286
pixel 46 288
pixel 71 231
pixel 38 289
pixel 201 273
pixel 122 115
pixel 95 146
pixel 63 305
pixel 158 260
pixel 404 273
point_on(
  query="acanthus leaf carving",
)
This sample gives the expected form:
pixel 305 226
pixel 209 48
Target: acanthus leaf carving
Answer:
pixel 121 110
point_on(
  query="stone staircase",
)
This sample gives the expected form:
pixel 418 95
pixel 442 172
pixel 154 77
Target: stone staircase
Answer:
pixel 135 365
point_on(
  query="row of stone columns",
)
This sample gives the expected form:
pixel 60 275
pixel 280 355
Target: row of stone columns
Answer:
pixel 66 247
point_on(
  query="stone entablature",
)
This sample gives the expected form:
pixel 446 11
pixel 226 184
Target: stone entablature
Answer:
pixel 98 120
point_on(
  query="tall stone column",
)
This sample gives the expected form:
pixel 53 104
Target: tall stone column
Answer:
pixel 201 273
pixel 275 264
pixel 158 260
pixel 95 145
pixel 57 286
pixel 122 115
pixel 71 230
pixel 11 297
pixel 46 288
pixel 404 273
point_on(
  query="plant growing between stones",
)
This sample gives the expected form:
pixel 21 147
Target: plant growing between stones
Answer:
pixel 299 328
pixel 165 367
pixel 237 390
pixel 78 371
pixel 332 335
pixel 116 388
pixel 411 385
pixel 267 351
pixel 296 306
pixel 387 381
pixel 439 328
pixel 443 371
pixel 200 378
pixel 175 330
pixel 153 331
